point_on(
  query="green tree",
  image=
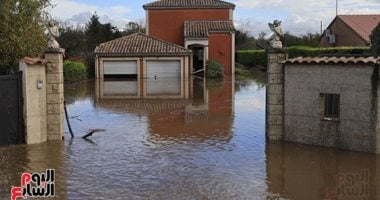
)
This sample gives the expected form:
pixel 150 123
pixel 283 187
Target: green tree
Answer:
pixel 93 33
pixel 21 31
pixel 375 40
pixel 72 40
pixel 96 33
pixel 243 41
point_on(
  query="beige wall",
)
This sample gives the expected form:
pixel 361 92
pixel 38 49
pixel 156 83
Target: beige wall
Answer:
pixel 34 102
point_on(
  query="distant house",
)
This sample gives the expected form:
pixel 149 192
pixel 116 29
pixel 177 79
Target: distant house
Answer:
pixel 350 30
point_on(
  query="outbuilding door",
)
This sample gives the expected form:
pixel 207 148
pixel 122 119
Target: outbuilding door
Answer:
pixel 120 68
pixel 163 68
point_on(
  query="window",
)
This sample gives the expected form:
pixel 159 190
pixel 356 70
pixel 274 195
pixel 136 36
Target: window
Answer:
pixel 329 106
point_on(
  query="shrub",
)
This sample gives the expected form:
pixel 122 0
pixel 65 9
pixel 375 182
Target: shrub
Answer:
pixel 214 69
pixel 74 71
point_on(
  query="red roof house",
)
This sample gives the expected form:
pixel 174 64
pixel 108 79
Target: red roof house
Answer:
pixel 182 35
pixel 204 26
pixel 350 30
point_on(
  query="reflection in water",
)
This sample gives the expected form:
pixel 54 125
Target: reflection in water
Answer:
pixel 207 113
pixel 121 88
pixel 151 88
pixel 207 143
pixel 305 172
pixel 16 160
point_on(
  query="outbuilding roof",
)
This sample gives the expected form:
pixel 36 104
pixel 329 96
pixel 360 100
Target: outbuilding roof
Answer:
pixel 139 44
pixel 200 29
pixel 333 60
pixel 173 4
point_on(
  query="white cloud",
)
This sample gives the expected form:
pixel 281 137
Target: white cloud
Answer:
pixel 76 13
pixel 298 16
pixel 304 16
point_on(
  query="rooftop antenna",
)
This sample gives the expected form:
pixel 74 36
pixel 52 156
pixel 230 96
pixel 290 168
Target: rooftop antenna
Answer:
pixel 336 7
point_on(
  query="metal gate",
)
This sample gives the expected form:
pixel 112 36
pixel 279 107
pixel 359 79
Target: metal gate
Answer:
pixel 11 110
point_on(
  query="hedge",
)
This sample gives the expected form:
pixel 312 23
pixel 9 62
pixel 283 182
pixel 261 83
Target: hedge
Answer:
pixel 74 71
pixel 251 58
pixel 305 51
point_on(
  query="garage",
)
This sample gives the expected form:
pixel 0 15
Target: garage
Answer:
pixel 120 68
pixel 141 56
pixel 163 68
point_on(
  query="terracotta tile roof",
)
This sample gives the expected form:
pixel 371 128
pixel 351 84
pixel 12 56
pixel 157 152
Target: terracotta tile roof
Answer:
pixel 200 29
pixel 361 24
pixel 172 4
pixel 333 60
pixel 139 44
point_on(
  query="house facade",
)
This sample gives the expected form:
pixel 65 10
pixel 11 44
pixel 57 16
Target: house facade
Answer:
pixel 326 101
pixel 205 27
pixel 350 30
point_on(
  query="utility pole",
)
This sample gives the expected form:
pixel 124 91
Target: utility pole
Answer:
pixel 336 7
pixel 321 27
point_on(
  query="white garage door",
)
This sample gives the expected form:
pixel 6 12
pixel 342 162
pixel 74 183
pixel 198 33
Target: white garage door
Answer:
pixel 120 67
pixel 163 68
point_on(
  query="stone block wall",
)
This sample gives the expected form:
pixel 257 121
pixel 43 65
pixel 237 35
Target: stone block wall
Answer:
pixel 55 95
pixel 355 129
pixel 275 94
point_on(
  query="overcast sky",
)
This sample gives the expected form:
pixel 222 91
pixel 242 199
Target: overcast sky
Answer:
pixel 298 16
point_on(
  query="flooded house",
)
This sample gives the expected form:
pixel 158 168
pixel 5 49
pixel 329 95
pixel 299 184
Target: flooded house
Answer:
pixel 181 36
pixel 326 101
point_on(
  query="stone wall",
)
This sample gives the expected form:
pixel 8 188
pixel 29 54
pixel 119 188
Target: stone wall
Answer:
pixel 55 96
pixel 275 95
pixel 43 97
pixel 355 129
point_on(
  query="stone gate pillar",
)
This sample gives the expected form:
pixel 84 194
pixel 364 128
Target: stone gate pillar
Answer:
pixel 54 93
pixel 275 94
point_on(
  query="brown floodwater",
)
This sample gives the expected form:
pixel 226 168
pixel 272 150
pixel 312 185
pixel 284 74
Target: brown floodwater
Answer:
pixel 199 139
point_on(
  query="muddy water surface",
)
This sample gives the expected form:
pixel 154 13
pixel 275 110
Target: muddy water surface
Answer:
pixel 201 141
